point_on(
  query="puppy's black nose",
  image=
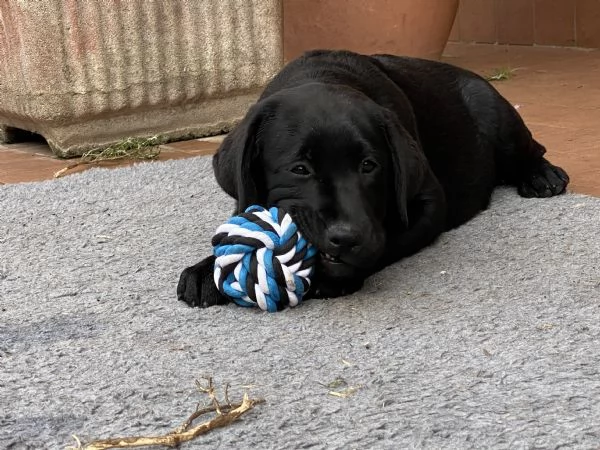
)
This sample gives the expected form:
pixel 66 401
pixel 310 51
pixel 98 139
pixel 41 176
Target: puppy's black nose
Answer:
pixel 342 237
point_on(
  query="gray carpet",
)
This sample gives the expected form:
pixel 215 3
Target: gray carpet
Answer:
pixel 488 339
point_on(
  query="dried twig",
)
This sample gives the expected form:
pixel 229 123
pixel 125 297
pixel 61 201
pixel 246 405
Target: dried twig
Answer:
pixel 210 391
pixel 226 393
pixel 339 388
pixel 345 393
pixel 225 414
pixel 501 74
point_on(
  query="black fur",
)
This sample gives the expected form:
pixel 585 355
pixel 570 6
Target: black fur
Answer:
pixel 374 157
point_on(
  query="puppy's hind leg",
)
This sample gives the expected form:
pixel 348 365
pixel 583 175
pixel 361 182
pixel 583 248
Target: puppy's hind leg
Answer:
pixel 520 161
pixel 543 180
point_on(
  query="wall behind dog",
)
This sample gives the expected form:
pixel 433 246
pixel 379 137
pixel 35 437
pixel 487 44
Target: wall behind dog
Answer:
pixel 565 23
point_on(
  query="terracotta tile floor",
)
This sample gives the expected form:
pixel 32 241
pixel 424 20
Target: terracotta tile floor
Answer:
pixel 557 91
pixel 33 161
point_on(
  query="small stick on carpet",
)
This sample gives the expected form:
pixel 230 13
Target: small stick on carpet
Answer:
pixel 225 414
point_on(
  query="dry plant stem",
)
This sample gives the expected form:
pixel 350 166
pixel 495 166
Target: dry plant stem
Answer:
pixel 215 407
pixel 177 437
pixel 143 149
pixel 64 170
pixel 200 412
pixel 210 391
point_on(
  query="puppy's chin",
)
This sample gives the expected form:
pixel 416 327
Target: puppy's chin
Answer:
pixel 335 278
pixel 336 269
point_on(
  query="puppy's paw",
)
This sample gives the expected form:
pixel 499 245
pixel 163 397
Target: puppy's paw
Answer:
pixel 545 180
pixel 196 285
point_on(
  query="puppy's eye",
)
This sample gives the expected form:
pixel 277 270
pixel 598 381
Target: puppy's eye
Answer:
pixel 300 169
pixel 367 166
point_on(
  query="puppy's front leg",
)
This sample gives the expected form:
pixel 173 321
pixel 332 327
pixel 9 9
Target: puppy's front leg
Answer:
pixel 197 287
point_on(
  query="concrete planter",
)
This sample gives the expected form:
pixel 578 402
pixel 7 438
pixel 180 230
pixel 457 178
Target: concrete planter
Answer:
pixel 404 27
pixel 85 74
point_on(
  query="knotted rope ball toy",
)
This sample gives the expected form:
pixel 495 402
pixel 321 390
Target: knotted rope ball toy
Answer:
pixel 262 259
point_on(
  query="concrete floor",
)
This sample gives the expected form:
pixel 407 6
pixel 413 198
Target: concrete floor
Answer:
pixel 556 90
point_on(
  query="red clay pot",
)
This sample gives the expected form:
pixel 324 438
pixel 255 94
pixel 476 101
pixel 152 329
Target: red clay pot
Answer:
pixel 404 27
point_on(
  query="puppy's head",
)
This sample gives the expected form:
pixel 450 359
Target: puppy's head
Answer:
pixel 340 164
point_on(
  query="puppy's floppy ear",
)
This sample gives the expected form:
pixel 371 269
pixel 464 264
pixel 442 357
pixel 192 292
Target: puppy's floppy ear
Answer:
pixel 236 162
pixel 409 163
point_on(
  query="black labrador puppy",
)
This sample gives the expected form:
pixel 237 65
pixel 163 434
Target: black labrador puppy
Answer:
pixel 374 157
